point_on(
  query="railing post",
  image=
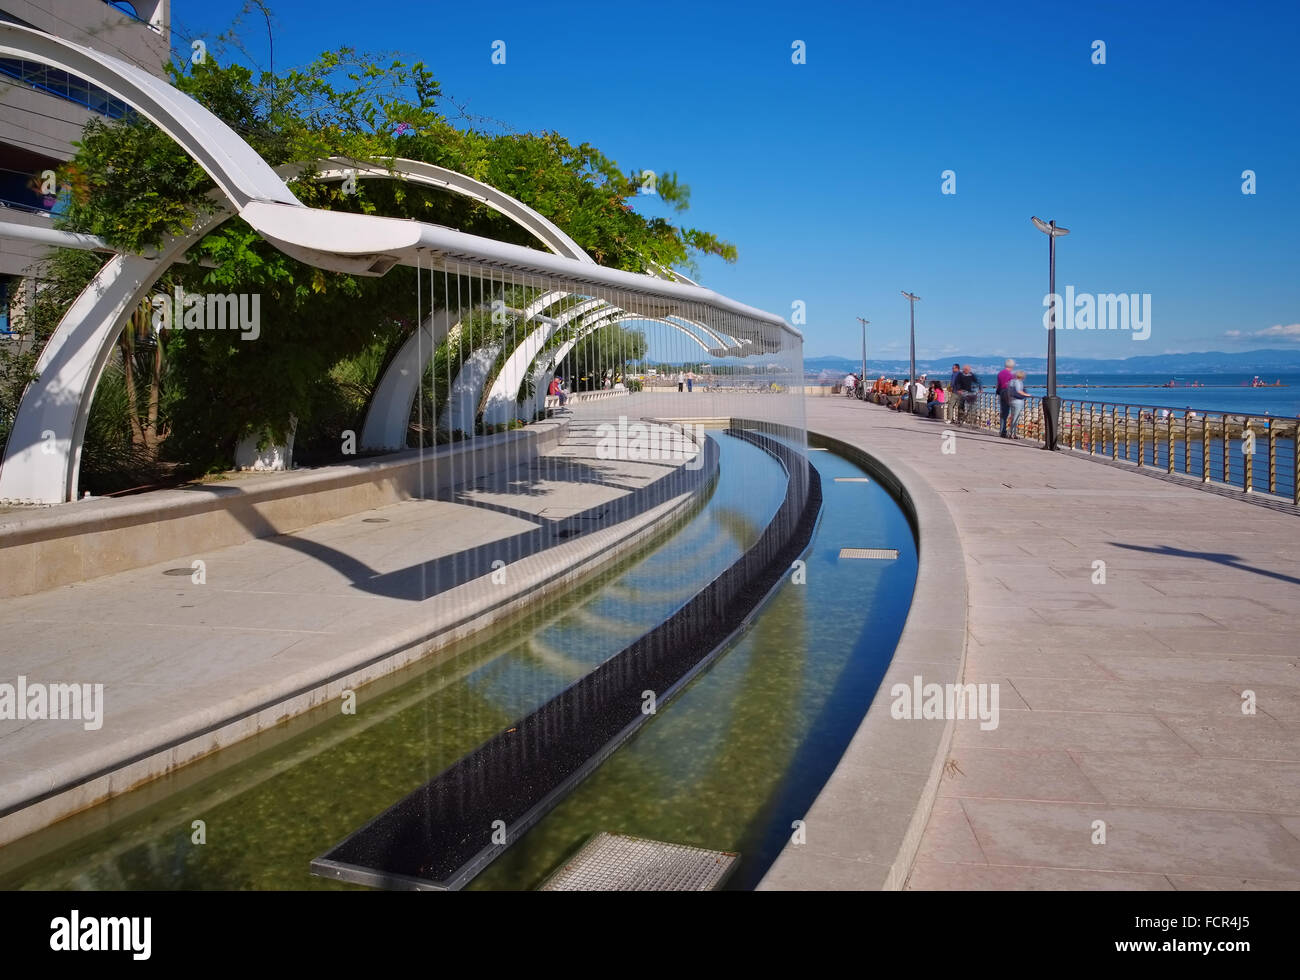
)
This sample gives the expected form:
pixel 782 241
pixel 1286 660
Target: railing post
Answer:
pixel 1247 458
pixel 1114 443
pixel 1272 456
pixel 1142 446
pixel 1295 464
pixel 1227 452
pixel 1092 447
pixel 1127 439
pixel 1205 449
pixel 1169 440
pixel 1187 444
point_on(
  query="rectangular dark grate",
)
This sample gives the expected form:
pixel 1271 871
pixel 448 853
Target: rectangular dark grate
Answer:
pixel 616 862
pixel 886 553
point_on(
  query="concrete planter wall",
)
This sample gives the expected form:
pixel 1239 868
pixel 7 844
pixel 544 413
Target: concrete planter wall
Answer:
pixel 72 542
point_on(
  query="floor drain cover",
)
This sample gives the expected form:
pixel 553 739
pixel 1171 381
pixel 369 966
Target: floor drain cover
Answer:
pixel 851 479
pixel 179 571
pixel 868 552
pixel 614 862
pixel 374 520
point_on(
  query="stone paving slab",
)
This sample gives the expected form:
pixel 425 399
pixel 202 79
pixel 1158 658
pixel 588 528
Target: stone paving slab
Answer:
pixel 1121 702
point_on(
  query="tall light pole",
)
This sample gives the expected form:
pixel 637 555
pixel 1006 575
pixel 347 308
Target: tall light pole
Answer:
pixel 863 377
pixel 911 376
pixel 1051 404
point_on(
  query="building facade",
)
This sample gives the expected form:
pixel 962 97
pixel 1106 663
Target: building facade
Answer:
pixel 43 110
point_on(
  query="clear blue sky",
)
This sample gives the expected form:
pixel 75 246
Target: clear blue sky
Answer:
pixel 826 175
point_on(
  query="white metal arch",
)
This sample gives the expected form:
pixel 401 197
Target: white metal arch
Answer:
pixel 42 458
pixel 622 317
pixel 389 413
pixel 543 375
pixel 356 243
pixel 241 174
pixel 461 409
pixel 418 172
pixel 720 341
pixel 501 400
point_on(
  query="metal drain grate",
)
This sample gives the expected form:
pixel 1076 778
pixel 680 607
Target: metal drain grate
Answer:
pixel 869 553
pixel 615 862
pixel 851 479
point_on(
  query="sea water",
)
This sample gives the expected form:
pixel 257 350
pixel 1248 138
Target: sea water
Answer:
pixel 1222 392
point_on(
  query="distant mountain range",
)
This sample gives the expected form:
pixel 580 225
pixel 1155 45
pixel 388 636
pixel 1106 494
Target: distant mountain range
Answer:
pixel 1261 362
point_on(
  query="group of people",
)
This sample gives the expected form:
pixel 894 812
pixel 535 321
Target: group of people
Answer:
pixel 949 402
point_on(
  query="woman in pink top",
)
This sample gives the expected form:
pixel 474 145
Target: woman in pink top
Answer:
pixel 938 398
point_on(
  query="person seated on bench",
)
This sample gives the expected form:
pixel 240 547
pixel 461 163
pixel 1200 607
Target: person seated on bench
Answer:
pixel 556 390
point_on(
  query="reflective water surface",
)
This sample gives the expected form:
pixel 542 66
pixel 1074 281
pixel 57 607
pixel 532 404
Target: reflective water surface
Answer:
pixel 729 764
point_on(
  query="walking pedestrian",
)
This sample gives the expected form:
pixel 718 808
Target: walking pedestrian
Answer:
pixel 968 387
pixel 1018 396
pixel 1004 400
pixel 953 402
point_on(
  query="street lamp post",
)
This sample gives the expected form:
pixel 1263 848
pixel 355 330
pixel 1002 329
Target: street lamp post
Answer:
pixel 911 370
pixel 863 377
pixel 1051 403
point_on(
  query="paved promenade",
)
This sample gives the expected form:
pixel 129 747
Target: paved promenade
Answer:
pixel 1122 757
pixel 1121 703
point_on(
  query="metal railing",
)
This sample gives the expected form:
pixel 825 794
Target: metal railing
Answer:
pixel 1251 453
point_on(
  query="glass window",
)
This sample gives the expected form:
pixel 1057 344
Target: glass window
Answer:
pixel 5 282
pixel 55 81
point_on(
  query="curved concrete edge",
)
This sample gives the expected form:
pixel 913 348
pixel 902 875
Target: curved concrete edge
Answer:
pixel 35 799
pixel 863 830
